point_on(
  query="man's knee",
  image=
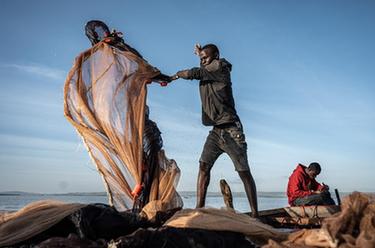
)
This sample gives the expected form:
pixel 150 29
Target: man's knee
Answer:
pixel 204 167
pixel 327 199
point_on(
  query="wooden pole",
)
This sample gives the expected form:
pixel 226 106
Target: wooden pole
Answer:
pixel 338 197
pixel 227 194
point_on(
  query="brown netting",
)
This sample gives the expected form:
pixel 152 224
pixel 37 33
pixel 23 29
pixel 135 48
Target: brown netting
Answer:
pixel 353 227
pixel 163 195
pixel 33 219
pixel 104 99
pixel 224 220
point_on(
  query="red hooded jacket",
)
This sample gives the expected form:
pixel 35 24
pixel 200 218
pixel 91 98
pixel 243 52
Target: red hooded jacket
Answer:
pixel 301 185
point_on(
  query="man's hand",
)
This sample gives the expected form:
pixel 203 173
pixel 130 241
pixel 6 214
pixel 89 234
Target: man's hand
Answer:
pixel 183 74
pixel 180 74
pixel 325 187
pixel 162 77
pixel 174 77
pixel 197 49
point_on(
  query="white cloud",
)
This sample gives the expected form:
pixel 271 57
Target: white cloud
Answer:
pixel 40 70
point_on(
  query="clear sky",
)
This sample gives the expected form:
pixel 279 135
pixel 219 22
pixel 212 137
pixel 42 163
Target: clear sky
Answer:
pixel 303 80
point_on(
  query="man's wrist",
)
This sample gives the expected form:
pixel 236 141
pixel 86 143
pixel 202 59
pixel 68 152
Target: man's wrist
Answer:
pixel 183 74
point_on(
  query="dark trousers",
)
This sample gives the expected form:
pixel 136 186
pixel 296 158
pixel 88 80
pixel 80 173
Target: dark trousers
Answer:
pixel 323 198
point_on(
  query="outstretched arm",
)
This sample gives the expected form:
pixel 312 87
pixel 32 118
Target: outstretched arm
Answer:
pixel 213 74
pixel 162 78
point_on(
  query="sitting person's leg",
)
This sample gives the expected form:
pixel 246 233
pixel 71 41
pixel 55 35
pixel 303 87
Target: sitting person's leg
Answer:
pixel 319 199
pixel 327 199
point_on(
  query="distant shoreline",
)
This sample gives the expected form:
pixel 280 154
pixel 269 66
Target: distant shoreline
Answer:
pixel 183 193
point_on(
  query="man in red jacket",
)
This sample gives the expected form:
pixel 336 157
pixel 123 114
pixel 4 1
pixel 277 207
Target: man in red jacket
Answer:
pixel 304 190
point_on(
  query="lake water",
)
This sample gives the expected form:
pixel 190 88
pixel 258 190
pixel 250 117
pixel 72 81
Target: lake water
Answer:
pixel 269 200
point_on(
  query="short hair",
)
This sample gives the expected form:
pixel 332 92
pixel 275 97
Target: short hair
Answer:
pixel 315 167
pixel 213 48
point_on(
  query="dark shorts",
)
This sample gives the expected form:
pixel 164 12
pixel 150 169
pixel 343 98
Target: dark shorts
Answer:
pixel 228 139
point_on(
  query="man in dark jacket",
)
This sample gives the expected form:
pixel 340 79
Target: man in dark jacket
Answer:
pixel 218 110
pixel 303 189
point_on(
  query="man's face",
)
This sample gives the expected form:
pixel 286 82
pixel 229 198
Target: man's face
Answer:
pixel 311 173
pixel 206 56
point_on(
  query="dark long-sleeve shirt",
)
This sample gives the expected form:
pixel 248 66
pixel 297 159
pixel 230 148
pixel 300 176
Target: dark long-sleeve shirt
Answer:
pixel 216 92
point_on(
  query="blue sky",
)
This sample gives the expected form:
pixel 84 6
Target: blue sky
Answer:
pixel 303 80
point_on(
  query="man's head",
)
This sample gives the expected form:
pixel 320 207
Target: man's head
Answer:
pixel 208 53
pixel 313 170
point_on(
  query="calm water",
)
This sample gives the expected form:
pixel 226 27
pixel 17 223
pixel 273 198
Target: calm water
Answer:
pixel 265 200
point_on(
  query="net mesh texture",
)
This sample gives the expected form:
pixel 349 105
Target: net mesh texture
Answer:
pixel 104 99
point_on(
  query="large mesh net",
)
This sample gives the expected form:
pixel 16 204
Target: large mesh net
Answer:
pixel 33 219
pixel 104 99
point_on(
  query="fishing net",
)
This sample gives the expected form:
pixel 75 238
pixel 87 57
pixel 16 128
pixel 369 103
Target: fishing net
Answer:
pixel 353 227
pixel 224 220
pixel 104 99
pixel 33 219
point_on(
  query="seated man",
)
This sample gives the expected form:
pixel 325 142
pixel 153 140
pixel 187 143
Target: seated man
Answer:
pixel 304 190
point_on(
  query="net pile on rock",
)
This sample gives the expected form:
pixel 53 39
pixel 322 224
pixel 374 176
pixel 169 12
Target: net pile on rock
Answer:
pixel 57 224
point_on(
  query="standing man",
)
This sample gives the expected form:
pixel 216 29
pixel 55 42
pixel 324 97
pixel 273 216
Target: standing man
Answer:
pixel 218 110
